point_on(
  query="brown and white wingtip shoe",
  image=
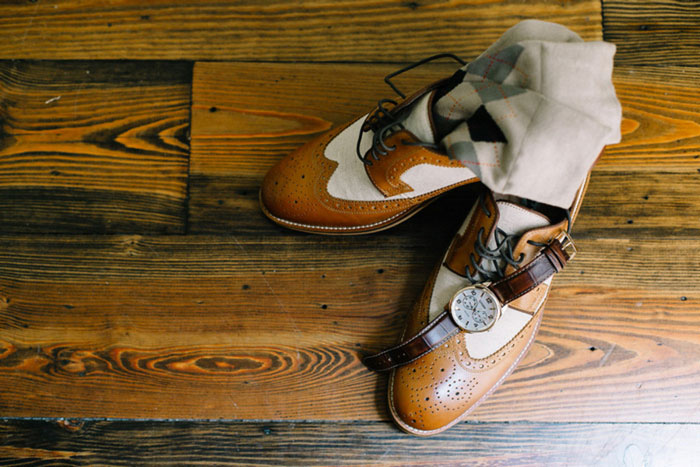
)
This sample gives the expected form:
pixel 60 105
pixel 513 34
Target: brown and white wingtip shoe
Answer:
pixel 525 117
pixel 478 314
pixel 368 175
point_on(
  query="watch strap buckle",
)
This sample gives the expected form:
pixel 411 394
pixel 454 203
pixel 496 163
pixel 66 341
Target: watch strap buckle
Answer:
pixel 567 244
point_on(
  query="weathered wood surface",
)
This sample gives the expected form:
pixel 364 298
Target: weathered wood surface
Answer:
pixel 309 30
pixel 143 190
pixel 250 321
pixel 635 205
pixel 653 33
pixel 246 116
pixel 362 444
pixel 93 146
pixel 274 328
pixel 661 119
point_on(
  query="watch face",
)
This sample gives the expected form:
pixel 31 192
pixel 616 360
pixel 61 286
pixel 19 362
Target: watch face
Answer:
pixel 475 309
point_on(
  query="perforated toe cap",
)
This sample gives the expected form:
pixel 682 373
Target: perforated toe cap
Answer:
pixel 295 193
pixel 439 389
pixel 288 189
pixel 432 392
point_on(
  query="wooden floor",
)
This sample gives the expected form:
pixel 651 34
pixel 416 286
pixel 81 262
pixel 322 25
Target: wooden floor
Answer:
pixel 150 314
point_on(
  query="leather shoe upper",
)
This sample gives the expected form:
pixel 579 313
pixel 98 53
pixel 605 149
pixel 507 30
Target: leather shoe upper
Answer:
pixel 441 387
pixel 324 187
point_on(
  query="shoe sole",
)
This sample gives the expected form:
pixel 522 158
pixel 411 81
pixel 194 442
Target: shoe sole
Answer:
pixel 392 221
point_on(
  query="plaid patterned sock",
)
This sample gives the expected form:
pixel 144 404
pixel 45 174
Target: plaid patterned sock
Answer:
pixel 531 114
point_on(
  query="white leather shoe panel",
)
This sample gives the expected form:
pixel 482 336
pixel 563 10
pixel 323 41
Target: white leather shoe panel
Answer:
pixel 425 178
pixel 484 344
pixel 349 180
pixel 513 219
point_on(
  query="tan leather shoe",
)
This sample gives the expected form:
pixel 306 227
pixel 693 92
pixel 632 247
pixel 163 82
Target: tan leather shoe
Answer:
pixel 368 175
pixel 479 312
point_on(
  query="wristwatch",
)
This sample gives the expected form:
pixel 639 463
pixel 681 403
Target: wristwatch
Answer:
pixel 478 307
pixel 475 308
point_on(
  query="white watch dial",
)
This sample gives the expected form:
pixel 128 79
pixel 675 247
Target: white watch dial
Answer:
pixel 475 309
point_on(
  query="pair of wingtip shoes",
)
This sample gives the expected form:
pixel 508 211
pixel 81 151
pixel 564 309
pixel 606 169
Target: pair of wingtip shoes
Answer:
pixel 482 306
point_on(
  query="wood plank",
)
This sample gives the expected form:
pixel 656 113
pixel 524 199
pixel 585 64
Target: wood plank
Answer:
pixel 246 117
pixel 640 204
pixel 628 203
pixel 274 328
pixel 653 33
pixel 661 119
pixel 367 444
pixel 93 146
pixel 309 30
pixel 293 102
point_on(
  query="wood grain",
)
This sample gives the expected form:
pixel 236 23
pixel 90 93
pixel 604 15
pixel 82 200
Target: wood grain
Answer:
pixel 292 102
pixel 243 320
pixel 221 327
pixel 246 116
pixel 93 147
pixel 637 205
pixel 309 30
pixel 653 33
pixel 366 444
pixel 661 120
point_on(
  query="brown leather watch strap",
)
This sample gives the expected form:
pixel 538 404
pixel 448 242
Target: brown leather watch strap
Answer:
pixel 548 262
pixel 431 336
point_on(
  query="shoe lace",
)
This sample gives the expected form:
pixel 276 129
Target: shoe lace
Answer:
pixel 501 255
pixel 383 121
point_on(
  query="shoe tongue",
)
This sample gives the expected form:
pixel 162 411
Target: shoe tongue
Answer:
pixel 419 121
pixel 422 118
pixel 514 219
